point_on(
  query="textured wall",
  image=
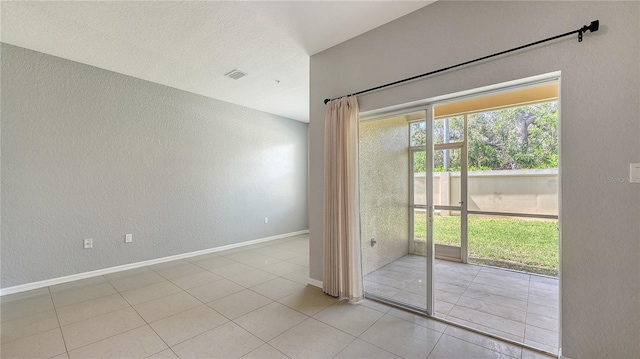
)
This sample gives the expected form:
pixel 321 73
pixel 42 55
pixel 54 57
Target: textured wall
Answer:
pixel 600 127
pixel 384 191
pixel 88 153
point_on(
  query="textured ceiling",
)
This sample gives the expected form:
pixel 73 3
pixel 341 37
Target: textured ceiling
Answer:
pixel 191 45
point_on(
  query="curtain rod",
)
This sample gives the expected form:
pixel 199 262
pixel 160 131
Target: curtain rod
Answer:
pixel 593 27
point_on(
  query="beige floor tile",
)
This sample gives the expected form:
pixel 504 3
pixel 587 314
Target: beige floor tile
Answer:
pixel 215 290
pixel 150 292
pixel 541 292
pixel 504 291
pixel 265 351
pixel 549 286
pixel 300 276
pixel 5 299
pixel 492 308
pixel 542 322
pixel 418 319
pixel 87 282
pixel 25 307
pixel 484 341
pixel 231 269
pixel 543 310
pixel 389 282
pixel 137 343
pixel 489 297
pixel 166 306
pixel 196 279
pixel 443 308
pixel 42 345
pixel 281 268
pixel 77 295
pixel 502 280
pixel 240 303
pixel 350 318
pixel 165 354
pixel 359 349
pixel 185 325
pixel 178 270
pixel 380 307
pixel 29 325
pixel 380 289
pixel 269 321
pixel 213 262
pixel 401 337
pixel 252 277
pixel 309 300
pixel 312 339
pixel 275 252
pixel 548 301
pixel 488 320
pixel 277 288
pixel 417 300
pixel 97 328
pixel 301 260
pixel 123 284
pixel 253 259
pixel 127 273
pixel 441 295
pixel 543 336
pixel 91 308
pixel 489 330
pixel 450 347
pixel 61 356
pixel 226 341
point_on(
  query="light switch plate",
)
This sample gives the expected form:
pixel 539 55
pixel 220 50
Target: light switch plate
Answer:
pixel 128 238
pixel 634 173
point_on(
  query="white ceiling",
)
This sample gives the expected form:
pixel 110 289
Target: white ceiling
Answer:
pixel 191 45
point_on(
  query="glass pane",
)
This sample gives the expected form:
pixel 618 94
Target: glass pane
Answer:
pixel 446 177
pixel 418 133
pixel 524 244
pixel 513 160
pixel 446 228
pixel 448 130
pixel 419 178
pixel 390 268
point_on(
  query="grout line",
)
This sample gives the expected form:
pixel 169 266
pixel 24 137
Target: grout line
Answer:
pixel 59 325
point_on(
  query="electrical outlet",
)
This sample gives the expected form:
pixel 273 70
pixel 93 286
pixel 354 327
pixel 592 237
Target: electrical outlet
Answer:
pixel 266 219
pixel 128 238
pixel 88 243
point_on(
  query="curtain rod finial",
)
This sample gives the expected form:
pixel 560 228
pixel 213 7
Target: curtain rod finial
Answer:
pixel 326 101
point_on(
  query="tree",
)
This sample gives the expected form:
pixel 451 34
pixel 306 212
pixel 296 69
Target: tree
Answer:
pixel 524 137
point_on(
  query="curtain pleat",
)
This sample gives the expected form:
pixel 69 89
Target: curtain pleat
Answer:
pixel 342 263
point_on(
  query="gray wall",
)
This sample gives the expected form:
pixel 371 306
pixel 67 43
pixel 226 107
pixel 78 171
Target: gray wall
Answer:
pixel 88 153
pixel 600 133
pixel 384 191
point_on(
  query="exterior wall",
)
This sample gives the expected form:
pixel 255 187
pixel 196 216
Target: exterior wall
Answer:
pixel 89 153
pixel 384 191
pixel 599 127
pixel 516 191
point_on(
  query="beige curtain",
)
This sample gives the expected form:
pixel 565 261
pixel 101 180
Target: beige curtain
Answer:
pixel 342 265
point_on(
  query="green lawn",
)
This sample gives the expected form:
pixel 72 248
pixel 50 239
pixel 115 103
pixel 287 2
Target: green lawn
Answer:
pixel 529 245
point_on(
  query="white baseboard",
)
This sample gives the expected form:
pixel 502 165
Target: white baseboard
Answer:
pixel 315 283
pixel 95 273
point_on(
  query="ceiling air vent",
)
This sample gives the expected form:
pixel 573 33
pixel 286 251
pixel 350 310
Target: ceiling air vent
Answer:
pixel 235 74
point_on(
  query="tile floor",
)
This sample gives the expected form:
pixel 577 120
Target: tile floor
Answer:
pixel 250 302
pixel 513 305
